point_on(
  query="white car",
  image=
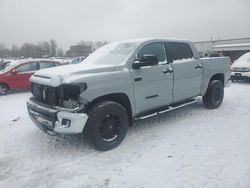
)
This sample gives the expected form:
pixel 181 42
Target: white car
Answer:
pixel 62 60
pixel 241 68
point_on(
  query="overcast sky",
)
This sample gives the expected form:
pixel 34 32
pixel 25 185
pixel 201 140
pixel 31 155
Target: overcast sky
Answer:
pixel 70 21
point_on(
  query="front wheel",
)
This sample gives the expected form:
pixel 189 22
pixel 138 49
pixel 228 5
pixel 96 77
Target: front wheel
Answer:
pixel 3 89
pixel 107 125
pixel 214 95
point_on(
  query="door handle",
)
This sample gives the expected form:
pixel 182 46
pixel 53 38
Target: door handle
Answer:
pixel 167 71
pixel 199 66
pixel 137 79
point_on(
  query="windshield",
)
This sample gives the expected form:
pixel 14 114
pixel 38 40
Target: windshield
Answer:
pixel 75 61
pixel 111 54
pixel 6 66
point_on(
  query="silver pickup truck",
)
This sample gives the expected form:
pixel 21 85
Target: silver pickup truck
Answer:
pixel 121 82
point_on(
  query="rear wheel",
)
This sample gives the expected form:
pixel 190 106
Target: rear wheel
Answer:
pixel 214 95
pixel 107 125
pixel 3 89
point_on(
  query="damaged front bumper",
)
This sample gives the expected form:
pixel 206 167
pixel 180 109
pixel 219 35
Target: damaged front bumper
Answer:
pixel 55 121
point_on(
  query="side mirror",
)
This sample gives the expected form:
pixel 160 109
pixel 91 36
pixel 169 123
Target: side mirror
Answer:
pixel 145 60
pixel 14 71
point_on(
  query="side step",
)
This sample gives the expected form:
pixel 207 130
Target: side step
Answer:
pixel 166 109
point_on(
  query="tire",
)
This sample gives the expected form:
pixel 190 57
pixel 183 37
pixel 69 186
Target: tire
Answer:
pixel 3 89
pixel 234 79
pixel 107 125
pixel 214 95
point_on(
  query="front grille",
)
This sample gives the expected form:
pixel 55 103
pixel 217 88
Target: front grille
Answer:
pixel 36 90
pixel 45 94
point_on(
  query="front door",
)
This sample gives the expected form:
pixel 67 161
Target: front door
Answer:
pixel 153 84
pixel 20 79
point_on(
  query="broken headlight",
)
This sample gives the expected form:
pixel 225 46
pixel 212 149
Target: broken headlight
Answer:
pixel 69 95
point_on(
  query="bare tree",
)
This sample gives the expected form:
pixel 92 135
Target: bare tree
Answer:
pixel 38 50
pixel 53 47
pixel 3 50
pixel 14 51
pixel 98 44
pixel 93 44
pixel 60 52
pixel 45 48
pixel 42 49
pixel 27 50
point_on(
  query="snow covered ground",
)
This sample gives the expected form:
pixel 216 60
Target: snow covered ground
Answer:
pixel 189 147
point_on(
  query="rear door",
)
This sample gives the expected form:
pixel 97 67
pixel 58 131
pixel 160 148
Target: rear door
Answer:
pixel 20 80
pixel 187 70
pixel 152 84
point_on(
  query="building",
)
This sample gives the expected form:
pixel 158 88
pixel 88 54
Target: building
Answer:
pixel 78 50
pixel 233 48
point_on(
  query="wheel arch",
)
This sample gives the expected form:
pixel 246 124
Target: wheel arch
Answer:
pixel 217 76
pixel 3 83
pixel 120 98
pixel 4 91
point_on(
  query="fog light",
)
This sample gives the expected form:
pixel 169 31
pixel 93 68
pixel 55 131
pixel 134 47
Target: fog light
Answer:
pixel 65 123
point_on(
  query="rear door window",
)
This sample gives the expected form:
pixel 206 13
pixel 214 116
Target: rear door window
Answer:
pixel 178 51
pixel 45 64
pixel 28 67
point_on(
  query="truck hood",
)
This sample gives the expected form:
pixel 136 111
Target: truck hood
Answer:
pixel 57 75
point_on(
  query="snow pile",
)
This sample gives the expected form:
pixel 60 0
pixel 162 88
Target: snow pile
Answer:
pixel 13 106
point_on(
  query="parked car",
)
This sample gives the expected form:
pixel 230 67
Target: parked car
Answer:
pixel 241 68
pixel 16 74
pixel 5 62
pixel 122 81
pixel 77 60
pixel 2 64
pixel 61 60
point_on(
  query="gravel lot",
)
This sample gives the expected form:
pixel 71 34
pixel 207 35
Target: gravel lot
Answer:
pixel 189 147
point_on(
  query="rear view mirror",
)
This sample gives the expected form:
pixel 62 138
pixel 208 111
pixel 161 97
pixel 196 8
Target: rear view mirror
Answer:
pixel 14 71
pixel 145 60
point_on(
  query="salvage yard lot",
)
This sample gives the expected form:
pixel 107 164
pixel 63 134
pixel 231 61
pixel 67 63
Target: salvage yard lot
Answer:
pixel 189 147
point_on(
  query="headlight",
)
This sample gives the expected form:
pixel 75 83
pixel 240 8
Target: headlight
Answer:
pixel 69 95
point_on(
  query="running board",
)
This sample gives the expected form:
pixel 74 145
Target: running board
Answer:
pixel 167 109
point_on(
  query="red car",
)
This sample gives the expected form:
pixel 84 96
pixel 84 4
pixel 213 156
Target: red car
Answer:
pixel 15 76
